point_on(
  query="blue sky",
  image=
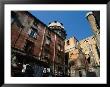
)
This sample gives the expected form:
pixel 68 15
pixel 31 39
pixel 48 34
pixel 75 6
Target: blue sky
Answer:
pixel 75 22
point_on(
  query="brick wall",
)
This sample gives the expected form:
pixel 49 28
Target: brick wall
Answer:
pixel 19 36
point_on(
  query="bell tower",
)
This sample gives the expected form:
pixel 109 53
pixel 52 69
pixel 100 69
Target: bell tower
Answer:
pixel 91 17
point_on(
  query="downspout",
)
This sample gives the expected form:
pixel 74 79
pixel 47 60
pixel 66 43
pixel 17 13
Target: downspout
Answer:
pixel 54 55
pixel 42 43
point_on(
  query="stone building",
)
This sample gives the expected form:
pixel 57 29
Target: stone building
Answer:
pixel 90 49
pixel 76 59
pixel 36 45
pixel 94 20
pixel 87 49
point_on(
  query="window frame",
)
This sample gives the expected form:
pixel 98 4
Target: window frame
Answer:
pixel 35 32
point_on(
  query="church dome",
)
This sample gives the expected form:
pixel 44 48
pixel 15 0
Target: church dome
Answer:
pixel 56 25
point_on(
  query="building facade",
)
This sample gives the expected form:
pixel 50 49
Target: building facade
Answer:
pixel 94 20
pixel 90 49
pixel 36 46
pixel 76 58
pixel 84 56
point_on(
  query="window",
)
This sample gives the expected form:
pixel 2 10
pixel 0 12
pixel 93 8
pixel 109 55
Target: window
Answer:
pixel 58 58
pixel 29 47
pixel 48 33
pixel 46 55
pixel 88 60
pixel 68 43
pixel 80 73
pixel 66 58
pixel 46 52
pixel 33 32
pixel 47 40
pixel 59 47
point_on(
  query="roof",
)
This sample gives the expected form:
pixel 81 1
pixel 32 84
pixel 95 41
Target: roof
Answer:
pixel 56 23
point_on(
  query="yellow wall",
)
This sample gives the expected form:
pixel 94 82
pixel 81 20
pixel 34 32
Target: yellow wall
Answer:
pixel 73 52
pixel 89 46
pixel 72 43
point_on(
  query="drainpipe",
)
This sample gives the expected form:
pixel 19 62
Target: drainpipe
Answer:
pixel 54 55
pixel 42 43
